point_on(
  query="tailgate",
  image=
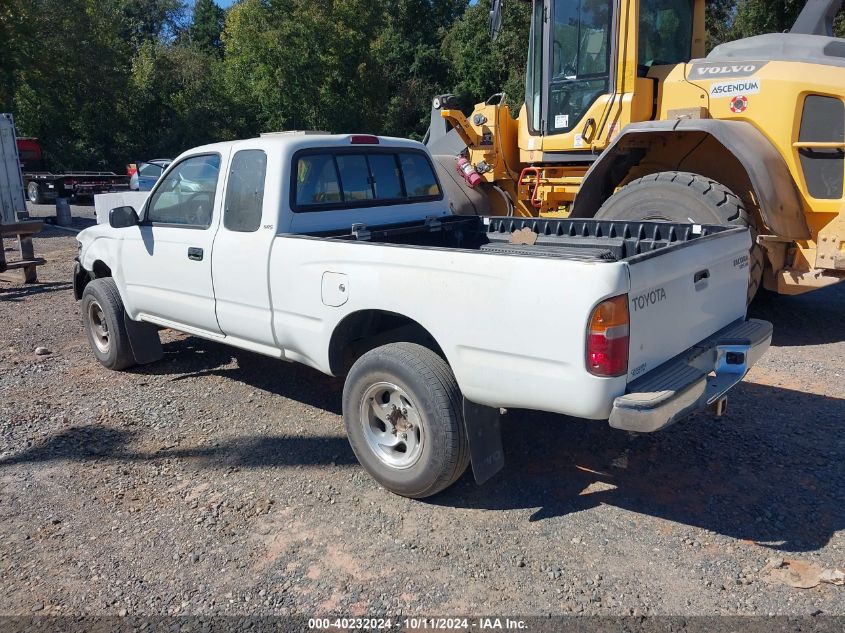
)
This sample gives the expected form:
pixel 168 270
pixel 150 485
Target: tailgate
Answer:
pixel 681 295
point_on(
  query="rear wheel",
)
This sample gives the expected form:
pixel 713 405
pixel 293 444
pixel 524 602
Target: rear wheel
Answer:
pixel 674 196
pixel 402 411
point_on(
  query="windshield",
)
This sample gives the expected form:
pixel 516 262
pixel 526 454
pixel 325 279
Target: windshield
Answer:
pixel 580 60
pixel 580 38
pixel 534 74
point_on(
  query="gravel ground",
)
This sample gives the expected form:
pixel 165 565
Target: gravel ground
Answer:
pixel 82 213
pixel 220 482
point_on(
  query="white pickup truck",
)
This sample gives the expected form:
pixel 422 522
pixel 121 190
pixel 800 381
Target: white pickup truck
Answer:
pixel 340 252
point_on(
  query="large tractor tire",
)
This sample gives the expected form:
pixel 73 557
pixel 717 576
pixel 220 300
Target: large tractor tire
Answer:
pixel 674 196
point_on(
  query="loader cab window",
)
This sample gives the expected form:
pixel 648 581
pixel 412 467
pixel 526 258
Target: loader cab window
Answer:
pixel 665 33
pixel 534 73
pixel 580 56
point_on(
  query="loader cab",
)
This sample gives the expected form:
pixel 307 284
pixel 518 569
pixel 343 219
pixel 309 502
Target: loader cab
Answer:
pixel 590 67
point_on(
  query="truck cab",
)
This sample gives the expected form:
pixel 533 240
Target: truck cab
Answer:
pixel 30 153
pixel 185 263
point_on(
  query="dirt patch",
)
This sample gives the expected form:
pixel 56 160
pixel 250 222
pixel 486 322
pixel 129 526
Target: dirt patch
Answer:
pixel 219 481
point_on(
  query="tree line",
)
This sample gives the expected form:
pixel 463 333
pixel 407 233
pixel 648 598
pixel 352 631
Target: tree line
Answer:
pixel 106 82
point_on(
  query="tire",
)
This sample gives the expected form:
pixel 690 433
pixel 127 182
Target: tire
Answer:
pixel 428 420
pixel 674 196
pixel 103 318
pixel 33 192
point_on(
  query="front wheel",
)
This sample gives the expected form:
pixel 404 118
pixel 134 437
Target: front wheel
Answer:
pixel 681 197
pixel 103 318
pixel 402 411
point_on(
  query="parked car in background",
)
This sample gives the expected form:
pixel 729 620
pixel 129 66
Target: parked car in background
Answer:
pixel 147 174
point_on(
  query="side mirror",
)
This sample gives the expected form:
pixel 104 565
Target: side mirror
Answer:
pixel 123 217
pixel 496 19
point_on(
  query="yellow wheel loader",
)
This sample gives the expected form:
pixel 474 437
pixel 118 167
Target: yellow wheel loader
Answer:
pixel 626 119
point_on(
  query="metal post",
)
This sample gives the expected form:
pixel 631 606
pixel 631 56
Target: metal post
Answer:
pixel 63 216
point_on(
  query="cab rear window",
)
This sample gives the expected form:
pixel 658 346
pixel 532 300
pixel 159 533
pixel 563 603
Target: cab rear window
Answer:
pixel 355 178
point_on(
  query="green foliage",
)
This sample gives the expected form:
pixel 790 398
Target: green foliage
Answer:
pixel 718 19
pixel 144 20
pixel 57 89
pixel 179 100
pixel 479 68
pixel 411 67
pixel 15 45
pixel 735 19
pixel 337 65
pixel 207 25
pixel 104 82
pixel 765 16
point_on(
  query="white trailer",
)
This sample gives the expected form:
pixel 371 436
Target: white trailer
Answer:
pixel 13 213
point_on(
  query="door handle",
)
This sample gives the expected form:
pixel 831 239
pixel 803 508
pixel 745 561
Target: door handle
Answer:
pixel 591 127
pixel 195 253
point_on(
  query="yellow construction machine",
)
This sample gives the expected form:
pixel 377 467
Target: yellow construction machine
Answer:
pixel 625 118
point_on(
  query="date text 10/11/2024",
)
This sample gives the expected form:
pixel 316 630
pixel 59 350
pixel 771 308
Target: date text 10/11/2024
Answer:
pixel 417 624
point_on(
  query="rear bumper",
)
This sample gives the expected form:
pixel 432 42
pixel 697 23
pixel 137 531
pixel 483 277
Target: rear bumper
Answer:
pixel 685 385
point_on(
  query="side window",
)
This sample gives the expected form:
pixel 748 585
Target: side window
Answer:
pixel 665 33
pixel 419 178
pixel 316 180
pixel 186 196
pixel 245 191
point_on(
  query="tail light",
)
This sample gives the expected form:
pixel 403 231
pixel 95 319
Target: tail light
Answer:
pixel 608 337
pixel 364 139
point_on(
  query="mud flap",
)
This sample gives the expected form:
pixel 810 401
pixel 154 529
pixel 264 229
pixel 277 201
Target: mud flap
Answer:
pixel 144 341
pixel 80 278
pixel 484 433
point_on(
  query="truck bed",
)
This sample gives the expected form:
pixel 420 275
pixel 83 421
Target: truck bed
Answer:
pixel 574 239
pixel 683 283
